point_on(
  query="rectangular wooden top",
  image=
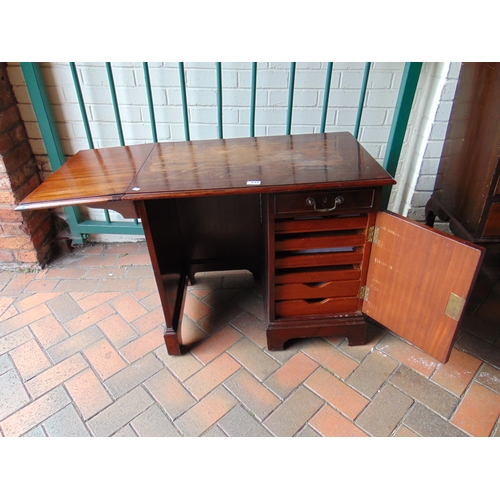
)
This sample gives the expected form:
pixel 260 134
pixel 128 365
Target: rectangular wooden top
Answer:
pixel 210 167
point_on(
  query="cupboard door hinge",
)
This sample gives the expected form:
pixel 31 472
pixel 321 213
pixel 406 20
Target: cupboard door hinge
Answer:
pixel 363 293
pixel 373 234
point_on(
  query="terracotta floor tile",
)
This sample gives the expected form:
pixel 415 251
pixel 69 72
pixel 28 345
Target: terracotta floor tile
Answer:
pixel 255 360
pixel 292 374
pixel 195 308
pixel 456 374
pixel 35 413
pixel 94 299
pixel 169 393
pixel 49 331
pixel 323 387
pixel 213 374
pixel 372 373
pixel 384 413
pixel 20 320
pixel 104 358
pixel 117 330
pixel 8 313
pixel 189 333
pixel 105 272
pixel 220 317
pixel 407 354
pixel 405 432
pixel 216 344
pixel 98 261
pixel 206 413
pixel 122 249
pixel 65 273
pixel 181 366
pixel 34 300
pixel 134 260
pixel 255 396
pixel 294 413
pixel 331 358
pixel 56 375
pixel 490 377
pixel 30 359
pixel 149 321
pixel 40 286
pixel 16 285
pixel 89 394
pixel 252 327
pixel 89 318
pixel 331 423
pixel 128 307
pixel 337 393
pixel 478 412
pixel 5 302
pixel 143 345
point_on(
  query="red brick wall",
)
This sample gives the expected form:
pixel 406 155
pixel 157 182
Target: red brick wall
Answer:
pixel 25 237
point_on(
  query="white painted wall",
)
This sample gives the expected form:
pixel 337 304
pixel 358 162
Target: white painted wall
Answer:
pixel 423 141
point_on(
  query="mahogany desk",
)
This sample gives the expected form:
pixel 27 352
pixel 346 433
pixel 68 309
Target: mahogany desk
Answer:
pixel 303 209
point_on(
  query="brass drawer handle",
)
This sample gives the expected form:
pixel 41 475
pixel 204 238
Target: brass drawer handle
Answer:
pixel 311 202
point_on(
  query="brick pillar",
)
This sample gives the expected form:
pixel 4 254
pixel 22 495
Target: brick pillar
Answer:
pixel 25 237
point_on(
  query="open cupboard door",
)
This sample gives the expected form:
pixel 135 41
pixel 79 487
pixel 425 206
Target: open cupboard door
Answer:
pixel 419 281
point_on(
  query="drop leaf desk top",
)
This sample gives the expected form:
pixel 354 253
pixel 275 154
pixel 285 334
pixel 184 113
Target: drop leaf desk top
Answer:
pixel 302 209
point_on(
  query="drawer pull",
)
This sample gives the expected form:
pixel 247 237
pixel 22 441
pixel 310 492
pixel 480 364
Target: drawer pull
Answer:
pixel 311 202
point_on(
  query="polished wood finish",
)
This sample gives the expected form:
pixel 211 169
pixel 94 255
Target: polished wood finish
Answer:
pixel 91 176
pixel 279 163
pixel 305 221
pixel 467 189
pixel 317 254
pixel 408 298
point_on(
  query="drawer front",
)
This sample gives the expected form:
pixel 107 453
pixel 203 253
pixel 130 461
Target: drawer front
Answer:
pixel 316 275
pixel 290 308
pixel 317 224
pixel 317 290
pixel 319 260
pixel 324 202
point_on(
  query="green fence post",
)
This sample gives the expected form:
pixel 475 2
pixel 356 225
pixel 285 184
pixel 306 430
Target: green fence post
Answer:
pixel 402 111
pixel 41 105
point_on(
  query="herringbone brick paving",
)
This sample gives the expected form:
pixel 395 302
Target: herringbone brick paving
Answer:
pixel 82 354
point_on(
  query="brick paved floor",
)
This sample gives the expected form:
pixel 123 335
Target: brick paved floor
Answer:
pixel 82 354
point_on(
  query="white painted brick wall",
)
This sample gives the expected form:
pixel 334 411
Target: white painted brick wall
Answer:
pixel 273 81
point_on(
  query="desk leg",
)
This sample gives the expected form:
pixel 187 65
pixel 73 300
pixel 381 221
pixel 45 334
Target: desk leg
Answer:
pixel 161 228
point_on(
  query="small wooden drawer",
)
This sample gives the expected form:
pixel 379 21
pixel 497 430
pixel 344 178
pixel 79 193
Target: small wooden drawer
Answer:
pixel 290 308
pixel 318 259
pixel 316 290
pixel 315 275
pixel 324 202
pixel 316 224
pixel 311 241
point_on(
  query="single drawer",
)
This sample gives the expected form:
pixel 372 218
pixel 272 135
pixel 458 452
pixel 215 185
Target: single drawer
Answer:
pixel 324 202
pixel 317 224
pixel 315 275
pixel 318 259
pixel 318 241
pixel 319 290
pixel 290 308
